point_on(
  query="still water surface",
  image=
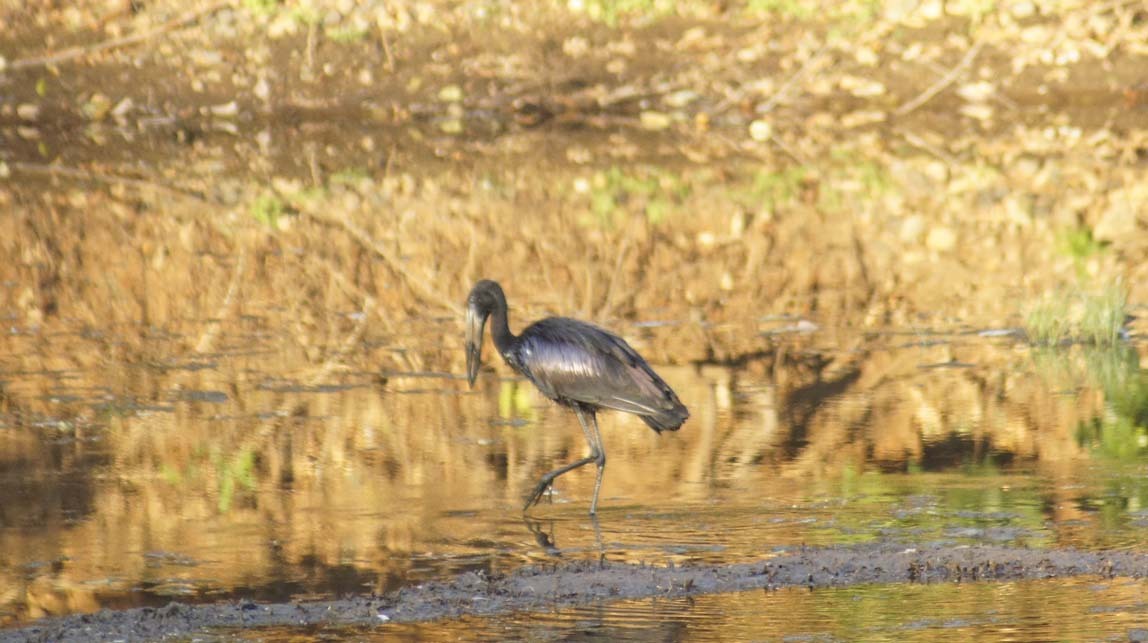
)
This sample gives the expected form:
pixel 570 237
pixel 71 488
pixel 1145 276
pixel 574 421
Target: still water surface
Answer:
pixel 207 480
pixel 1058 610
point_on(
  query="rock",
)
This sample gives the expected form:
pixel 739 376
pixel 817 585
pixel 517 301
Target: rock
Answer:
pixel 576 47
pixel 652 120
pixel 760 130
pixel 861 118
pixel 1119 218
pixel 1022 10
pixel 123 107
pixel 450 94
pixel 262 89
pixel 97 107
pixel 28 111
pixel 978 111
pixel 978 92
pixel 931 9
pixel 228 109
pixel 862 87
pixel 941 239
pixel 681 98
pixel 912 228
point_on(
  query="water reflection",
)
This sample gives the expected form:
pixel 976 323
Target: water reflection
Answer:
pixel 1072 609
pixel 135 484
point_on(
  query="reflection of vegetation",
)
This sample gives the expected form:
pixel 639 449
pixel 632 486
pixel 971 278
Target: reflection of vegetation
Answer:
pixel 939 504
pixel 232 473
pixel 514 401
pixel 656 192
pixel 1122 433
pixel 1090 319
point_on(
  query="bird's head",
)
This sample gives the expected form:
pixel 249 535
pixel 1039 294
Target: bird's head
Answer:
pixel 485 298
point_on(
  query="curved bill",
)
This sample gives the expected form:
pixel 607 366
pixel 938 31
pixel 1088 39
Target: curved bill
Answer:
pixel 475 324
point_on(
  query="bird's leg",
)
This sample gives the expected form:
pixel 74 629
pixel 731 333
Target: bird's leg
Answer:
pixel 596 455
pixel 597 450
pixel 548 479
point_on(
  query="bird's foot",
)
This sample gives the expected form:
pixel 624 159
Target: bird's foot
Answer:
pixel 536 494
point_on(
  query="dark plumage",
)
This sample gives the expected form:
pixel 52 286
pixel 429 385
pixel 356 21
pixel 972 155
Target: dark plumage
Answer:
pixel 576 364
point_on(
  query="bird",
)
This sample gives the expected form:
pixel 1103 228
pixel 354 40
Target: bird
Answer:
pixel 576 364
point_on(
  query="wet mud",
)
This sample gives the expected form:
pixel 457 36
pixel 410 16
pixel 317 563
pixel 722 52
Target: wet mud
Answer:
pixel 565 584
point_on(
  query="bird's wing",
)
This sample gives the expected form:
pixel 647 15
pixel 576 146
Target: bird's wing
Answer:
pixel 582 363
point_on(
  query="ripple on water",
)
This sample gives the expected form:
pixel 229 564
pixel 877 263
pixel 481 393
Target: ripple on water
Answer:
pixel 1062 609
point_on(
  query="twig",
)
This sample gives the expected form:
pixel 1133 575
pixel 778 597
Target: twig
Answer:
pixel 787 149
pixel 312 29
pixel 608 305
pixel 940 85
pixel 784 89
pixel 996 96
pixel 420 285
pixel 918 141
pixel 80 51
pixel 387 51
pixel 85 175
pixel 207 339
pixel 348 343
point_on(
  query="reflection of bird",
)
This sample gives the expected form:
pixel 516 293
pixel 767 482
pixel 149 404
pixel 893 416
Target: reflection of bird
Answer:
pixel 577 365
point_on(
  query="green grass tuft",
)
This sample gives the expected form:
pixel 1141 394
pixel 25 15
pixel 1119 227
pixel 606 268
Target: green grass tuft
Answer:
pixel 1086 318
pixel 267 209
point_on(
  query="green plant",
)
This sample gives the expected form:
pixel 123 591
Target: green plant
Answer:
pixel 773 189
pixel 267 208
pixel 1104 316
pixel 788 8
pixel 261 6
pixel 1095 319
pixel 346 34
pixel 1078 243
pixel 656 192
pixel 1047 322
pixel 610 12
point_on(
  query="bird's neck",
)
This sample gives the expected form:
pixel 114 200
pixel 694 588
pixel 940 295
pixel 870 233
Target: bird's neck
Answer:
pixel 500 331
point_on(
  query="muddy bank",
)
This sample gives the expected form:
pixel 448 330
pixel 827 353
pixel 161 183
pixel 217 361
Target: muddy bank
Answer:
pixel 565 584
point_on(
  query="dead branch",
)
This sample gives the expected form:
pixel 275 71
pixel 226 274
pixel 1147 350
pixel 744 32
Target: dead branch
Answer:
pixel 81 51
pixel 940 85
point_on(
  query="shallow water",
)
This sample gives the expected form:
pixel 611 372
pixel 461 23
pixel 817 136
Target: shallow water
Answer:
pixel 1051 610
pixel 210 479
